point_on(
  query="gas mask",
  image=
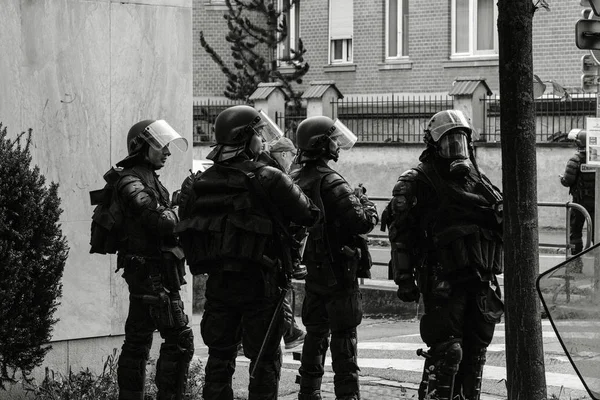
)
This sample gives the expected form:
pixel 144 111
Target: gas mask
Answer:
pixel 454 147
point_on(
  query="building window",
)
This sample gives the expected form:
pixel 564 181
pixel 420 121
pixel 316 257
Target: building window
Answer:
pixel 291 10
pixel 396 28
pixel 474 30
pixel 341 26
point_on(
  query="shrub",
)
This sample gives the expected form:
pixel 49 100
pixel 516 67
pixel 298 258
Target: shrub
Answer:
pixel 33 253
pixel 86 385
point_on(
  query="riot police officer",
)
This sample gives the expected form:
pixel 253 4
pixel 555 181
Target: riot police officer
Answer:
pixel 153 266
pixel 445 231
pixel 280 154
pixel 581 184
pixel 332 302
pixel 238 234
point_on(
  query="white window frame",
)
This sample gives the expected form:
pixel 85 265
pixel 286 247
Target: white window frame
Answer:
pixel 293 20
pixel 346 52
pixel 399 32
pixel 347 45
pixel 473 52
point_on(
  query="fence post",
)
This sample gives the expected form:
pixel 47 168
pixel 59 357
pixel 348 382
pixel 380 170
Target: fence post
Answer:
pixel 319 96
pixel 467 93
pixel 271 98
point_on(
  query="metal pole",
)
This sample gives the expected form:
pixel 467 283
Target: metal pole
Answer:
pixel 596 211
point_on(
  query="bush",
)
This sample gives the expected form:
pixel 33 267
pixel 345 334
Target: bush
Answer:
pixel 33 253
pixel 86 385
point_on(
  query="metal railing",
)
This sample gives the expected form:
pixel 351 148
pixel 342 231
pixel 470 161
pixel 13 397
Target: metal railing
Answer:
pixel 290 120
pixel 392 119
pixel 554 117
pixel 204 115
pixel 569 206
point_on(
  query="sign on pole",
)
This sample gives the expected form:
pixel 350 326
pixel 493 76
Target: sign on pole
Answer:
pixel 593 142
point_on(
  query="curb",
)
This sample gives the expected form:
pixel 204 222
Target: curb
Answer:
pixel 378 298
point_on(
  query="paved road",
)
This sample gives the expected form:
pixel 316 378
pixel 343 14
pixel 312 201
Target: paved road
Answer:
pixel 391 369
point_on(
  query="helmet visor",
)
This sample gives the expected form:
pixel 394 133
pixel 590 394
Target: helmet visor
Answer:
pixel 267 129
pixel 159 134
pixel 454 145
pixel 344 137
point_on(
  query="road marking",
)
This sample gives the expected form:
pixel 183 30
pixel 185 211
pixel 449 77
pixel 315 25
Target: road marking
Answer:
pixel 415 365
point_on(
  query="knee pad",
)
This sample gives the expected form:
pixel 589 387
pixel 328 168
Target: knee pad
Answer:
pixel 441 365
pixel 185 343
pixel 131 374
pixel 446 356
pixel 343 351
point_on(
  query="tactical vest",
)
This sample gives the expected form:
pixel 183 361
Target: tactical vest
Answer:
pixel 464 230
pixel 584 188
pixel 229 227
pixel 322 254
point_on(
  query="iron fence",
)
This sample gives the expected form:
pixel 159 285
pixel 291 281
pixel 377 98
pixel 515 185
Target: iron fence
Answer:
pixel 205 113
pixel 389 119
pixel 554 117
pixel 290 120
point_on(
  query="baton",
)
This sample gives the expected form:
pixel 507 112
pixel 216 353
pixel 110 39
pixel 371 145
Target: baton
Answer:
pixel 269 329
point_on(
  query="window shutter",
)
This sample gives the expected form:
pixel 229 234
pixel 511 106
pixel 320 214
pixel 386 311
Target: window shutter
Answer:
pixel 341 19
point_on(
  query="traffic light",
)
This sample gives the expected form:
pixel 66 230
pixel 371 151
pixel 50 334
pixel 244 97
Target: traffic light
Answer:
pixel 589 83
pixel 588 65
pixel 587 34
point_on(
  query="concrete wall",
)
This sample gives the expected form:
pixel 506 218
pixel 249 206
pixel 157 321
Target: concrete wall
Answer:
pixel 80 73
pixel 377 166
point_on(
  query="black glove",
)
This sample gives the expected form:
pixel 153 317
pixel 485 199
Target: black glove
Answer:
pixel 408 291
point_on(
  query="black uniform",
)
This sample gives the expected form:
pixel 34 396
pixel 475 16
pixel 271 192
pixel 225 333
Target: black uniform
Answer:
pixel 233 235
pixel 446 232
pixel 333 299
pixel 581 184
pixel 154 270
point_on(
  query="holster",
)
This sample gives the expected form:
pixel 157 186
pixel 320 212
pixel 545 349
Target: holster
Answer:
pixel 351 263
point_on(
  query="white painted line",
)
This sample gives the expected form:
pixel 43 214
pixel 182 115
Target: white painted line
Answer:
pixel 570 381
pixel 397 346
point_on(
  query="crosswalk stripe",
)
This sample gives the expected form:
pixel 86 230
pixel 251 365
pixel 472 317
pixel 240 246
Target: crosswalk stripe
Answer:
pixel 397 346
pixel 415 365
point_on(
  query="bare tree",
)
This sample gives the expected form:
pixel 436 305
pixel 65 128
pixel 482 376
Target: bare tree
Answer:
pixel 524 346
pixel 257 28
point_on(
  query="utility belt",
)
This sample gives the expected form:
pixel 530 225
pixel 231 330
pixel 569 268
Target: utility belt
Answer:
pixel 348 265
pixel 169 267
pixel 164 276
pixel 460 247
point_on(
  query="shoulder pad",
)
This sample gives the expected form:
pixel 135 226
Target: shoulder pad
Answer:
pixel 129 184
pixel 132 191
pixel 267 174
pixel 336 185
pixel 410 175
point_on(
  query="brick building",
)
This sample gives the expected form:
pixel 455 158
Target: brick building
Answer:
pixel 400 46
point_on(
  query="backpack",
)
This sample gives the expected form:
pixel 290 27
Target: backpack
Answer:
pixel 107 219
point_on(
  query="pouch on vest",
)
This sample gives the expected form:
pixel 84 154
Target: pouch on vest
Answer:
pixel 108 217
pixel 469 246
pixel 209 240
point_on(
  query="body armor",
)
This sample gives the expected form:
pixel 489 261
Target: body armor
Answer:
pixel 332 241
pixel 154 270
pixel 332 303
pixel 581 182
pixel 446 234
pixel 230 225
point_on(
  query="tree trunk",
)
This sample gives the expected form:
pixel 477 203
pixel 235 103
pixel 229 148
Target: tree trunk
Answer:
pixel 524 346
